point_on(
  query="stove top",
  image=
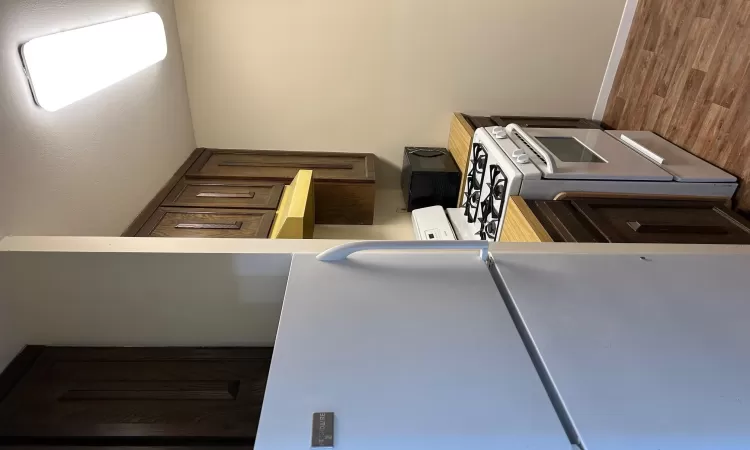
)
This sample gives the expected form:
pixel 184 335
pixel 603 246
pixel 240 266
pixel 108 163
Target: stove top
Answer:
pixel 484 194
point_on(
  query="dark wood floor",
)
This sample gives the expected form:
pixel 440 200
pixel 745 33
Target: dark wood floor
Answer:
pixel 685 74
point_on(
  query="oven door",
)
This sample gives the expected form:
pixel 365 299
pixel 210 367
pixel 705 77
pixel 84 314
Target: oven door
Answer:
pixel 562 153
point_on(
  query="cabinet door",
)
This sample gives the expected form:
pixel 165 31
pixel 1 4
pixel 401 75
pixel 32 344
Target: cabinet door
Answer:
pixel 136 396
pixel 563 222
pixel 283 165
pixel 676 222
pixel 225 194
pixel 208 223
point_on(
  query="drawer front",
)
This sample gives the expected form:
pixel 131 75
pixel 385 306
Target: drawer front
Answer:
pixel 283 165
pixel 225 194
pixel 641 221
pixel 669 222
pixel 208 223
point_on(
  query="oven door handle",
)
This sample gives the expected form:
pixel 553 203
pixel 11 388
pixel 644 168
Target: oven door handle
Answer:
pixel 548 159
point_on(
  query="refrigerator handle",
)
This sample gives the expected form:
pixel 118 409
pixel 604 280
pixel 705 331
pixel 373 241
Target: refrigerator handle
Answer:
pixel 340 252
pixel 539 148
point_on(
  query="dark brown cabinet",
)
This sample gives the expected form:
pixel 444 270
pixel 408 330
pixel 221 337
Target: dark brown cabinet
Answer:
pixel 344 186
pixel 344 182
pixel 225 194
pixel 640 221
pixel 133 396
pixel 208 223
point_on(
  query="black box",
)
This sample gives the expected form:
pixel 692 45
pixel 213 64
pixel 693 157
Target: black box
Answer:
pixel 429 177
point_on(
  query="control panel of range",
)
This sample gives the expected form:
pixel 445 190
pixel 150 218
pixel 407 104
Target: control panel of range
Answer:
pixel 519 156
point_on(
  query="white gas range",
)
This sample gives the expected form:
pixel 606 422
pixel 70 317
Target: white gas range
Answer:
pixel 540 163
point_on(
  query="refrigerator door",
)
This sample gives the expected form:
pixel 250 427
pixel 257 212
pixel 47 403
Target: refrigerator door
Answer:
pixel 409 351
pixel 685 166
pixel 646 352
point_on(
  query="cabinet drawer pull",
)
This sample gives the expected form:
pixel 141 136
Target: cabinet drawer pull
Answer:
pixel 248 194
pixel 210 226
pixel 289 165
pixel 676 229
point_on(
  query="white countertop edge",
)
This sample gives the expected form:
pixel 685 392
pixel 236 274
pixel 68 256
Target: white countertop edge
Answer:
pixel 103 244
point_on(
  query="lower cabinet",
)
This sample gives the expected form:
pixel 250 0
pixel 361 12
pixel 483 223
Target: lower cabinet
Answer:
pixel 344 186
pixel 208 223
pixel 640 221
pixel 133 396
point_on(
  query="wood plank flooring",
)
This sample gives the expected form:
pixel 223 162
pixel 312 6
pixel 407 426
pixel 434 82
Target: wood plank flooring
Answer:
pixel 685 75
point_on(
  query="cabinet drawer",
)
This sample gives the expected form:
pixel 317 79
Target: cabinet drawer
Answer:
pixel 642 221
pixel 670 222
pixel 283 165
pixel 225 194
pixel 208 223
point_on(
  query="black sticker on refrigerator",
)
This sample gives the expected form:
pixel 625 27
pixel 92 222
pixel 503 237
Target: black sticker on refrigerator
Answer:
pixel 322 430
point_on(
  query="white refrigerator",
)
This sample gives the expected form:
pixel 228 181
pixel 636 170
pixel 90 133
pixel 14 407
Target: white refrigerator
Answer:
pixel 442 345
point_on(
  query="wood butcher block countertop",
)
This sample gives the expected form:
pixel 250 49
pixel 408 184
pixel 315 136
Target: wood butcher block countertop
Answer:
pixel 521 225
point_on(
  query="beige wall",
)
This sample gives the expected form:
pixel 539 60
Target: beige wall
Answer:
pixel 89 168
pixel 139 299
pixel 60 290
pixel 377 75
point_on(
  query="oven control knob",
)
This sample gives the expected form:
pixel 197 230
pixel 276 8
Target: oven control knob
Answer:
pixel 499 132
pixel 522 159
pixel 518 152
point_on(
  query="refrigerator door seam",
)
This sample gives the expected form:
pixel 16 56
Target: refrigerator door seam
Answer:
pixel 566 420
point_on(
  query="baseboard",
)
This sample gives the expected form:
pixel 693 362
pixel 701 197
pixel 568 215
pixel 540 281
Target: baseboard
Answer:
pixel 614 58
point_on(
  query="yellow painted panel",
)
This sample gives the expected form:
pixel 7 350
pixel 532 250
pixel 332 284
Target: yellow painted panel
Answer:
pixel 295 217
